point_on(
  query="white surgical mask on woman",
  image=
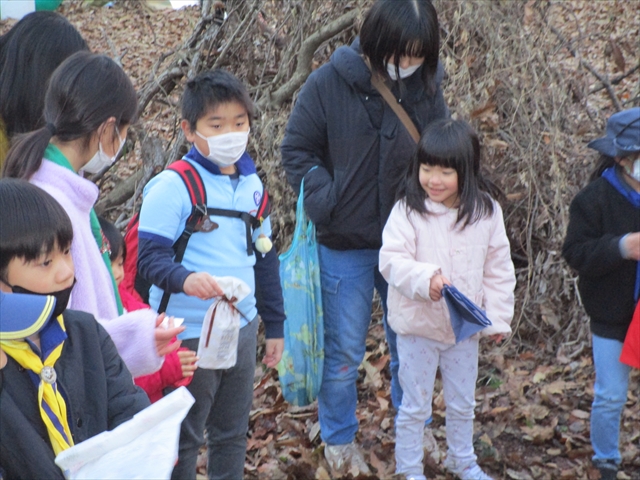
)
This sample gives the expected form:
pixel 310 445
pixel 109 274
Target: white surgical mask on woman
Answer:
pixel 225 149
pixel 101 160
pixel 404 72
pixel 635 170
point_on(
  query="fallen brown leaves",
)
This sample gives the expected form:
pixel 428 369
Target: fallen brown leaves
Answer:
pixel 532 420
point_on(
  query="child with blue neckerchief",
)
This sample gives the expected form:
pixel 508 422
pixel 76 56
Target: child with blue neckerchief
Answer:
pixel 61 378
pixel 603 245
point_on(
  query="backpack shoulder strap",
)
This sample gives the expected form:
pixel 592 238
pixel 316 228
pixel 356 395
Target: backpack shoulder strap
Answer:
pixel 198 196
pixel 192 180
pixel 264 209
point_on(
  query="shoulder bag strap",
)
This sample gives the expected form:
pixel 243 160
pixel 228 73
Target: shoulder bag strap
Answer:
pixel 391 100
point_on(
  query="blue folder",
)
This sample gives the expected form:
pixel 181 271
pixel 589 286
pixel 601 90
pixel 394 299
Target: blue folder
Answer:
pixel 466 317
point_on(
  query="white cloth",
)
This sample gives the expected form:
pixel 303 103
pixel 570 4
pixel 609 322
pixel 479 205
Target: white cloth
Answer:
pixel 419 359
pixel 218 345
pixel 144 447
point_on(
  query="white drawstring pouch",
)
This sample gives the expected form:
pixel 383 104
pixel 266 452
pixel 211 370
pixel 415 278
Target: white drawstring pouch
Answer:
pixel 144 447
pixel 218 346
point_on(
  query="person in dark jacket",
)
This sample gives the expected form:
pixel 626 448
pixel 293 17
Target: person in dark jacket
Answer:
pixel 351 149
pixel 61 379
pixel 603 245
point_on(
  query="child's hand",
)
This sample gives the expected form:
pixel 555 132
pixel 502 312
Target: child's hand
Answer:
pixel 435 287
pixel 498 338
pixel 188 361
pixel 3 359
pixel 632 245
pixel 202 285
pixel 163 336
pixel 273 351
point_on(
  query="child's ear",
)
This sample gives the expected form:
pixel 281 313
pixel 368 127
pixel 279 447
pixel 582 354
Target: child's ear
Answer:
pixel 186 129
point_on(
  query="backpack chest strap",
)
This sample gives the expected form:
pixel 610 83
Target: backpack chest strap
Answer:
pixel 250 222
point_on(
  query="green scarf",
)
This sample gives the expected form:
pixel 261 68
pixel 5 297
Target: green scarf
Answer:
pixel 54 154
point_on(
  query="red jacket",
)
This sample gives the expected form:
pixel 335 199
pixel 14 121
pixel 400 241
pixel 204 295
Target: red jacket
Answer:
pixel 631 348
pixel 170 374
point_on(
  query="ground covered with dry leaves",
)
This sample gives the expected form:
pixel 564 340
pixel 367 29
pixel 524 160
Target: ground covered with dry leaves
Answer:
pixel 529 76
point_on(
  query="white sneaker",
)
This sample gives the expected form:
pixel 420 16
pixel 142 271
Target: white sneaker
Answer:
pixel 346 459
pixel 430 445
pixel 415 477
pixel 468 472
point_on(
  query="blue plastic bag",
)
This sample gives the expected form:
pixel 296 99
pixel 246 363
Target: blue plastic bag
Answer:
pixel 300 369
pixel 466 317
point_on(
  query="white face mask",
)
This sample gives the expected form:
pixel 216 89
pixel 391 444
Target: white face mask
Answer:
pixel 635 170
pixel 404 72
pixel 101 160
pixel 225 149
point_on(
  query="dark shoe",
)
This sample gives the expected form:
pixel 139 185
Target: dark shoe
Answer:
pixel 608 469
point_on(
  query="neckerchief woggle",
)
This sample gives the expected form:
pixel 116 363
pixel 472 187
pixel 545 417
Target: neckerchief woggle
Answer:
pixel 53 408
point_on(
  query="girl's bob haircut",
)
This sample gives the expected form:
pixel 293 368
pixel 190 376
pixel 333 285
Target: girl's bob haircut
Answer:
pixel 84 92
pixel 395 28
pixel 452 144
pixel 33 223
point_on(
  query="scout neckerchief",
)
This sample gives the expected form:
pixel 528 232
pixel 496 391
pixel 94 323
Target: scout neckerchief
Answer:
pixel 54 154
pixel 633 197
pixel 51 404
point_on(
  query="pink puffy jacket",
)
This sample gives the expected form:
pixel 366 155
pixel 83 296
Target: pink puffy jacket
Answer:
pixel 475 259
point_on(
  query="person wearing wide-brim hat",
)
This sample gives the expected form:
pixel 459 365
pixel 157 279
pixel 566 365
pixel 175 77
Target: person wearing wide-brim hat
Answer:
pixel 21 316
pixel 603 245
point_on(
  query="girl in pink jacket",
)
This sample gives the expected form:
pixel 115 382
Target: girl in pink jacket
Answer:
pixel 446 229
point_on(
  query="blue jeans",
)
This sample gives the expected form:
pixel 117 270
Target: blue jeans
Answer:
pixel 610 395
pixel 348 279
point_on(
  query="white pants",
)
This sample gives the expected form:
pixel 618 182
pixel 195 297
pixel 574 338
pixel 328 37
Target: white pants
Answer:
pixel 419 360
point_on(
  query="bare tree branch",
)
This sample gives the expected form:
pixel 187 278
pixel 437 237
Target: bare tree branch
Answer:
pixel 618 79
pixel 604 79
pixel 305 56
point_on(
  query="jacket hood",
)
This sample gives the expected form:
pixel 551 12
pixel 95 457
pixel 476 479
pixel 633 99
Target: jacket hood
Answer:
pixel 348 62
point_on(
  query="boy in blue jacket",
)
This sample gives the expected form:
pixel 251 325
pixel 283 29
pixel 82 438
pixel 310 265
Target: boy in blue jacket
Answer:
pixel 216 111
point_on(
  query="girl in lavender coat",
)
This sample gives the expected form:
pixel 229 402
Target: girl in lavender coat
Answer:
pixel 89 105
pixel 445 230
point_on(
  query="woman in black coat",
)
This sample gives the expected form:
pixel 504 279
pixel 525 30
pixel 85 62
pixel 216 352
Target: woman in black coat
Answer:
pixel 352 150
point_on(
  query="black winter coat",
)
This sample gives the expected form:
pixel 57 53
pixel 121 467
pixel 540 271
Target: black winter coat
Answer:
pixel 599 216
pixel 341 125
pixel 95 383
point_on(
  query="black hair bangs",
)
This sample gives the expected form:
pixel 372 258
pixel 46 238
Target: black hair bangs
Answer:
pixel 426 158
pixel 450 143
pixel 412 40
pixel 395 28
pixel 32 223
pixel 210 89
